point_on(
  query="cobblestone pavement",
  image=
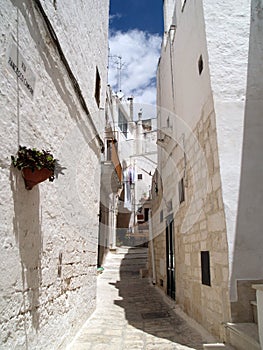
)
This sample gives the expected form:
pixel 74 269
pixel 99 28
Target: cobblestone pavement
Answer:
pixel 131 314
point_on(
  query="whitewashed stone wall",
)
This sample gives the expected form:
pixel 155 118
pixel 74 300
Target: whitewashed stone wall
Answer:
pixel 227 32
pixel 49 235
pixel 83 24
pixel 249 239
pixel 220 107
pixel 188 149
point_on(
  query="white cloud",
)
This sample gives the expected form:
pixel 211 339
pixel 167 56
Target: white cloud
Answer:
pixel 115 16
pixel 140 52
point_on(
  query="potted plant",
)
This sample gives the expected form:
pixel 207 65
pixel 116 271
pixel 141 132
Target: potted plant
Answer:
pixel 36 166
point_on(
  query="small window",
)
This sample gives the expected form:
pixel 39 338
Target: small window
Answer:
pixel 109 150
pixel 156 188
pixel 200 65
pixel 170 206
pixel 97 87
pixel 140 217
pixel 139 176
pixel 146 214
pixel 161 216
pixel 122 122
pixel 181 191
pixel 205 266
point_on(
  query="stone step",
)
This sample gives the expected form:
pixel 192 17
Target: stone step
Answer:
pixel 254 311
pixel 135 255
pixel 132 250
pixel 135 261
pixel 127 260
pixel 243 336
pixel 218 346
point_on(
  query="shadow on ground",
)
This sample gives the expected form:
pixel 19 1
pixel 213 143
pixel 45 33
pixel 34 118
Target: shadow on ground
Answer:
pixel 145 308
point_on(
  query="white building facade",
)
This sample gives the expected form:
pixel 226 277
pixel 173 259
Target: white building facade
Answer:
pixel 53 87
pixel 133 141
pixel 207 223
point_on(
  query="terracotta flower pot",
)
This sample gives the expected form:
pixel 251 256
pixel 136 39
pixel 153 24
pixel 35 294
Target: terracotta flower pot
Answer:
pixel 33 178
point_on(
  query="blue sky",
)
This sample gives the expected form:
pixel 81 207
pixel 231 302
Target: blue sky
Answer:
pixel 145 15
pixel 136 28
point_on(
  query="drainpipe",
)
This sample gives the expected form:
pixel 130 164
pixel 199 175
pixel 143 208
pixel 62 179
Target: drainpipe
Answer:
pixel 152 247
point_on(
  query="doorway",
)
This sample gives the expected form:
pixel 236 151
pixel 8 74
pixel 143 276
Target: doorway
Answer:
pixel 170 260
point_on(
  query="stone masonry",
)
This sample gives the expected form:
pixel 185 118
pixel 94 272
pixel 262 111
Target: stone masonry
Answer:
pixel 206 304
pixel 48 236
pixel 131 314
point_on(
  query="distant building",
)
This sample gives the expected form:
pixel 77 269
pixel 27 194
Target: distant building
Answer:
pixel 53 88
pixel 207 193
pixel 135 149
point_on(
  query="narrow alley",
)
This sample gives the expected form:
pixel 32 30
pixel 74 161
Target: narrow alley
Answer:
pixel 127 124
pixel 131 314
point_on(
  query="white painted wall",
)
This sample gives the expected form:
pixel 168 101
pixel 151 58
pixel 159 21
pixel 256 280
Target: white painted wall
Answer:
pixel 39 309
pixel 227 32
pixel 234 98
pixel 84 25
pixel 248 256
pixel 183 95
pixel 259 295
pixel 168 11
pixel 219 31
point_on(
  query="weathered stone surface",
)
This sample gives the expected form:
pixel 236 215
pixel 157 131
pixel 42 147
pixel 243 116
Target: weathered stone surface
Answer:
pixel 122 303
pixel 48 236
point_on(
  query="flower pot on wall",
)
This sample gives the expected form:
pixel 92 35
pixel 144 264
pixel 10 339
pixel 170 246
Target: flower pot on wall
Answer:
pixel 36 176
pixel 36 166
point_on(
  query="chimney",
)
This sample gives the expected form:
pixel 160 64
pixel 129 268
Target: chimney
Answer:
pixel 139 134
pixel 130 99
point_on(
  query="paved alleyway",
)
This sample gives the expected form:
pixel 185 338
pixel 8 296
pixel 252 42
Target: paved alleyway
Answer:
pixel 131 314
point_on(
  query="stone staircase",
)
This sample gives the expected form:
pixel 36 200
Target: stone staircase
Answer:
pixel 243 336
pixel 246 336
pixel 133 260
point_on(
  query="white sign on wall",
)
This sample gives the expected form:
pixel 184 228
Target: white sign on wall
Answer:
pixel 18 66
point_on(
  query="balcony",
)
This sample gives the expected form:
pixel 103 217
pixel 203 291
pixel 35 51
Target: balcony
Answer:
pixel 111 170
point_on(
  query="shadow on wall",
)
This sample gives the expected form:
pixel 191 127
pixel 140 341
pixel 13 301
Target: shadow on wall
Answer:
pixel 27 230
pixel 46 48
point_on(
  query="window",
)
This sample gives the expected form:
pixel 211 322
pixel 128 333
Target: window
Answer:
pixel 109 150
pixel 156 188
pixel 146 214
pixel 161 216
pixel 168 122
pixel 140 218
pixel 97 87
pixel 205 266
pixel 200 65
pixel 181 191
pixel 139 176
pixel 122 123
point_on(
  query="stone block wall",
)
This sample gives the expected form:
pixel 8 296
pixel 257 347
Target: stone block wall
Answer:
pixel 48 235
pixel 189 155
pixel 199 224
pixel 207 304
